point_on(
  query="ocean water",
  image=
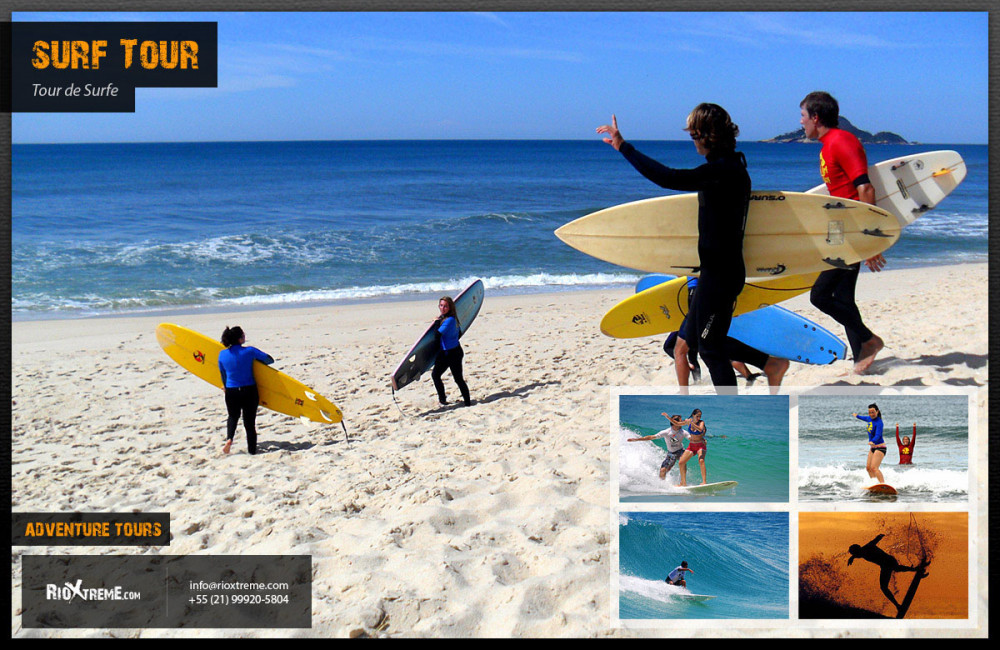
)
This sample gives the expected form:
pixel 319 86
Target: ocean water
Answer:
pixel 741 558
pixel 833 447
pixel 754 451
pixel 124 228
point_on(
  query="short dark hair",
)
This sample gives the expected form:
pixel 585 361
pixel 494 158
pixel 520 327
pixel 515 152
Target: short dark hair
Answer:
pixel 684 563
pixel 823 106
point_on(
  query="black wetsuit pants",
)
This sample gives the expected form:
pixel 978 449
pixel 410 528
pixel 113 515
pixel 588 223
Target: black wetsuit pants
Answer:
pixel 450 360
pixel 833 294
pixel 707 330
pixel 243 401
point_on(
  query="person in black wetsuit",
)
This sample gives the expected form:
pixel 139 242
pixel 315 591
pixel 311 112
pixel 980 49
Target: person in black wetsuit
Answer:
pixel 723 187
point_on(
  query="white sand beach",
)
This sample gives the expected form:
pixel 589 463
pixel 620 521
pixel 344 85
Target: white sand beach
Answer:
pixel 492 520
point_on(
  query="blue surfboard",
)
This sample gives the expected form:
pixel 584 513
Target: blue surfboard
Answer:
pixel 776 331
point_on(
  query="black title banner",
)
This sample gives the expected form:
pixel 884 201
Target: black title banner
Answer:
pixel 95 67
pixel 90 529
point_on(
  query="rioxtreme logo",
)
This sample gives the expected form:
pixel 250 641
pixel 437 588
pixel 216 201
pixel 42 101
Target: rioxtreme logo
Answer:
pixel 165 591
pixel 67 592
pixel 96 66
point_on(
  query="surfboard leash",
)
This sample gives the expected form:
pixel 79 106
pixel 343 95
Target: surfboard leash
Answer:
pixel 397 403
pixel 346 437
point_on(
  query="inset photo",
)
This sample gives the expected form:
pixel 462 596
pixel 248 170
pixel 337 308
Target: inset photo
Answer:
pixel 883 448
pixel 703 565
pixel 688 448
pixel 884 565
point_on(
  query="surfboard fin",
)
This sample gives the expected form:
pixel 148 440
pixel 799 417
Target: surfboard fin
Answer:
pixel 875 233
pixel 836 263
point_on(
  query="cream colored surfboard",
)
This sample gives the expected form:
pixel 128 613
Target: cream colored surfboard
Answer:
pixel 662 308
pixel 909 186
pixel 199 355
pixel 787 233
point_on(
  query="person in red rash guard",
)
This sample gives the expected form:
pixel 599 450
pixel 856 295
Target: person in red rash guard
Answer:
pixel 906 446
pixel 844 168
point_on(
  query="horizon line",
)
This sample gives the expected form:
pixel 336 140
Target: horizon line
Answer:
pixel 425 140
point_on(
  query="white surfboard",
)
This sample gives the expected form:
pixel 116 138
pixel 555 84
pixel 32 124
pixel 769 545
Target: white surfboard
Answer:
pixel 709 488
pixel 787 233
pixel 693 597
pixel 909 186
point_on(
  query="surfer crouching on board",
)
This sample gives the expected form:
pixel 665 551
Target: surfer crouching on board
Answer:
pixel 876 444
pixel 450 353
pixel 723 187
pixel 697 445
pixel 236 366
pixel 676 577
pixel 674 439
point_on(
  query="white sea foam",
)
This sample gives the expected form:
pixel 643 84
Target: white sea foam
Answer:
pixel 654 589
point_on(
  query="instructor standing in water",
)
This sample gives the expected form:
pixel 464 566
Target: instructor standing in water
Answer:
pixel 236 366
pixel 723 187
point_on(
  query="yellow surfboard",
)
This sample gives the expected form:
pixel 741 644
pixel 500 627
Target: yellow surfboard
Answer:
pixel 660 309
pixel 199 355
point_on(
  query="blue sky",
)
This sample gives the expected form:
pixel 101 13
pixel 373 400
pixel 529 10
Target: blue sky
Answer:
pixel 541 75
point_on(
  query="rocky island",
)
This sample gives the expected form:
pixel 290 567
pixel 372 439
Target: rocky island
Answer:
pixel 882 137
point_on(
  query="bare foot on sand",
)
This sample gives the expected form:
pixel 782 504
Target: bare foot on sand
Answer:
pixel 869 349
pixel 226 447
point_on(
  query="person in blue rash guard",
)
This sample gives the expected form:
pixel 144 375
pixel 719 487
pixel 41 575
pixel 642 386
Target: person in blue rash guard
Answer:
pixel 236 367
pixel 450 353
pixel 876 445
pixel 723 187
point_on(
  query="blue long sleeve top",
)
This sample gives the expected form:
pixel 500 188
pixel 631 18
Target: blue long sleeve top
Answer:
pixel 236 365
pixel 448 329
pixel 874 429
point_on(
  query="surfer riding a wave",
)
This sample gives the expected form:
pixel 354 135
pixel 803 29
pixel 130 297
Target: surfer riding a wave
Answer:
pixel 696 445
pixel 876 444
pixel 674 438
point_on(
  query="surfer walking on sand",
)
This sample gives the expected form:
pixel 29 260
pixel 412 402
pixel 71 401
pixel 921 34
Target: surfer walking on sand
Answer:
pixel 844 168
pixel 906 446
pixel 674 437
pixel 876 444
pixel 242 398
pixel 450 353
pixel 723 187
pixel 887 565
pixel 676 577
pixel 686 363
pixel 696 445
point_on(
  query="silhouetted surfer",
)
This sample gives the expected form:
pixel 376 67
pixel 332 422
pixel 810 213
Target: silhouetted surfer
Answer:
pixel 886 562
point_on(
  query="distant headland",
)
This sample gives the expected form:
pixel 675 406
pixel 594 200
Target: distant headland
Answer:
pixel 882 137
